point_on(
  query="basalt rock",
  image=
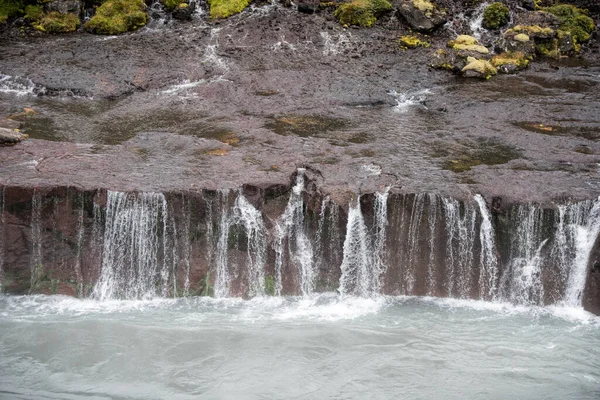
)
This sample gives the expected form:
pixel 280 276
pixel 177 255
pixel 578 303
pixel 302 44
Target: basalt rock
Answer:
pixel 184 11
pixel 64 6
pixel 10 137
pixel 422 15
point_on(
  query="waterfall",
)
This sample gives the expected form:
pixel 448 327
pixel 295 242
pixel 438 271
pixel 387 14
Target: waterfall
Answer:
pixel 136 261
pixel 527 243
pixel 80 237
pixel 290 228
pixel 2 231
pixel 36 260
pixel 238 222
pixel 364 261
pixel 488 275
pixel 585 227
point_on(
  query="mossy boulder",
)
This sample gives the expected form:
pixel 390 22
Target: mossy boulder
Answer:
pixel 573 20
pixel 118 16
pixel 495 16
pixel 466 43
pixel 422 15
pixel 11 8
pixel 446 60
pixel 225 8
pixel 476 68
pixel 171 5
pixel 362 12
pixel 412 42
pixel 509 63
pixel 55 22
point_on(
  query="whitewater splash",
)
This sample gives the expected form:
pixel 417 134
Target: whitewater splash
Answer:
pixel 411 98
pixel 19 86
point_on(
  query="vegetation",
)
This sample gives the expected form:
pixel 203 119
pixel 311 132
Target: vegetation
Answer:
pixel 517 59
pixel 484 68
pixel 411 42
pixel 361 12
pixel 467 43
pixel 269 285
pixel 495 16
pixel 10 8
pixel 118 16
pixel 573 20
pixel 55 22
pixel 226 8
pixel 170 5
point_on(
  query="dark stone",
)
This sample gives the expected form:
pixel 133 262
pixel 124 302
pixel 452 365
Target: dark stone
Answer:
pixel 10 137
pixel 184 13
pixel 422 21
pixel 306 9
pixel 64 6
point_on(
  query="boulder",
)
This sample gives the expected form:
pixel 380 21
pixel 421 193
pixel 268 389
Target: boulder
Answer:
pixel 422 15
pixel 64 6
pixel 481 69
pixel 184 11
pixel 9 137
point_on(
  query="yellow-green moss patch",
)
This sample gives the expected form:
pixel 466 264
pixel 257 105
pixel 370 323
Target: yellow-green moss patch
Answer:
pixel 482 67
pixel 55 22
pixel 533 30
pixel 467 43
pixel 118 16
pixel 170 5
pixel 361 12
pixel 517 59
pixel 411 42
pixel 226 8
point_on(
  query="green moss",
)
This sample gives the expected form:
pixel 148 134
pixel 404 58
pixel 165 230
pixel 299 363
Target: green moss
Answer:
pixel 170 5
pixel 55 22
pixel 517 59
pixel 118 16
pixel 226 8
pixel 574 20
pixel 496 15
pixel 482 67
pixel 548 48
pixel 467 43
pixel 361 12
pixel 10 8
pixel 412 42
pixel 269 285
pixel 34 13
pixel 533 30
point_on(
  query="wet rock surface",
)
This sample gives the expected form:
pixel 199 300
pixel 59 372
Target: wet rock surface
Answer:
pixel 202 104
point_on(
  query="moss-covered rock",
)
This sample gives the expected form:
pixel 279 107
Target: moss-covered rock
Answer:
pixel 118 16
pixel 226 8
pixel 573 20
pixel 422 15
pixel 445 59
pixel 534 31
pixel 479 69
pixel 34 12
pixel 411 42
pixel 361 12
pixel 55 22
pixel 171 5
pixel 468 44
pixel 11 8
pixel 510 62
pixel 495 16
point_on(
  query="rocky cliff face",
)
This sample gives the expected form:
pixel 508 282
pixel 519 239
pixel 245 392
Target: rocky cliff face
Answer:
pixel 295 239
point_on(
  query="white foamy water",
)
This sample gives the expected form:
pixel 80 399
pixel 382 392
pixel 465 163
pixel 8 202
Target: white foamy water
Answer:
pixel 17 85
pixel 314 347
pixel 409 99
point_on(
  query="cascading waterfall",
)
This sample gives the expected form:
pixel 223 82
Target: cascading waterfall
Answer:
pixel 363 263
pixel 527 243
pixel 136 258
pixel 245 221
pixel 488 275
pixel 2 231
pixel 585 227
pixel 413 244
pixel 290 229
pixel 36 261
